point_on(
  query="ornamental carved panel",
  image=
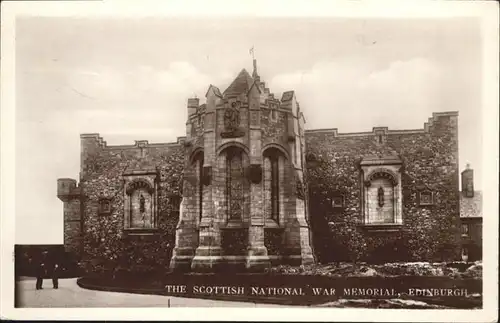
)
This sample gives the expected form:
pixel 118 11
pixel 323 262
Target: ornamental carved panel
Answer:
pixel 232 121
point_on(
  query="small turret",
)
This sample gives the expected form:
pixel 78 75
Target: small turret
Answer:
pixel 65 188
pixel 192 105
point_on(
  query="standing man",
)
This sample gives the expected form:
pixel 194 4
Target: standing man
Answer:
pixel 40 273
pixel 55 275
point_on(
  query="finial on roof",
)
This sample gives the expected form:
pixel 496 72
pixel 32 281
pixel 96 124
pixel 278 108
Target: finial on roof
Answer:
pixel 467 166
pixel 255 75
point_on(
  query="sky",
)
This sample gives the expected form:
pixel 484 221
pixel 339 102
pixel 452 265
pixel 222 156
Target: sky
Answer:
pixel 129 79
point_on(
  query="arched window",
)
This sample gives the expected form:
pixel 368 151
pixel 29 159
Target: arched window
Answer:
pixel 380 194
pixel 234 183
pixel 141 204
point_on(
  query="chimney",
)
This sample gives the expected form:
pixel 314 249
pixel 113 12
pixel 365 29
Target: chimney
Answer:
pixel 468 182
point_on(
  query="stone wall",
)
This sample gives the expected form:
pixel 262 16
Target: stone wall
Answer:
pixel 430 162
pixel 105 242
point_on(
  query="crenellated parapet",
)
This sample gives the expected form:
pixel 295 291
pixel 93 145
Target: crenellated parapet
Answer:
pixel 437 119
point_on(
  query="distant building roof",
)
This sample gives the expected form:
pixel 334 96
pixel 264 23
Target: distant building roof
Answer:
pixel 471 207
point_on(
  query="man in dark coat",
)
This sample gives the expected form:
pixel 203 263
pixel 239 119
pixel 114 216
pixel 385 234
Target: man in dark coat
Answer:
pixel 40 273
pixel 55 275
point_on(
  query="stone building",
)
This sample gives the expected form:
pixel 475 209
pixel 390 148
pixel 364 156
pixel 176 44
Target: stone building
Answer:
pixel 471 217
pixel 248 187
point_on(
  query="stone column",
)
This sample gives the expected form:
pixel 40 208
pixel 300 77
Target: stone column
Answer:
pixel 208 255
pixel 297 231
pixel 186 235
pixel 257 257
pixel 186 238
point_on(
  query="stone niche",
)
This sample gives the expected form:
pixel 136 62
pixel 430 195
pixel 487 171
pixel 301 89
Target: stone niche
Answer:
pixel 140 202
pixel 381 193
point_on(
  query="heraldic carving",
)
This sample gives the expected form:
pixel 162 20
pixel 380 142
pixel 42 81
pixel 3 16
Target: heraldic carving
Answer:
pixel 232 121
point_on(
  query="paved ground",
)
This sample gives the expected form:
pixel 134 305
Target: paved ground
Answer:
pixel 70 294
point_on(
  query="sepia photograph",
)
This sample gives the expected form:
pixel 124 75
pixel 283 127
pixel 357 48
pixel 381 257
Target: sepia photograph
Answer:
pixel 286 162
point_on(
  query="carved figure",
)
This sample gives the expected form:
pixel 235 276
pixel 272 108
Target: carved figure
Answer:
pixel 232 117
pixel 142 204
pixel 380 196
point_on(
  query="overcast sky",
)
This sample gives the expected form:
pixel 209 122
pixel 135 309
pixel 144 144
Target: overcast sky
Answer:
pixel 130 79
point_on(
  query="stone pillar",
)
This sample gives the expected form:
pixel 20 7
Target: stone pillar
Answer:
pixel 257 257
pixel 208 255
pixel 186 237
pixel 297 231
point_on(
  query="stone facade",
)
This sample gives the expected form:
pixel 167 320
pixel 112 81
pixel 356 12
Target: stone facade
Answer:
pixel 109 233
pixel 416 173
pixel 248 187
pixel 244 156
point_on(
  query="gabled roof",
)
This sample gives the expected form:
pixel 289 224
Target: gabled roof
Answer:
pixel 256 86
pixel 471 207
pixel 287 96
pixel 215 89
pixel 241 84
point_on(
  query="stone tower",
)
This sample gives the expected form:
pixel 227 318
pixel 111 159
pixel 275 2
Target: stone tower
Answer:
pixel 69 193
pixel 244 201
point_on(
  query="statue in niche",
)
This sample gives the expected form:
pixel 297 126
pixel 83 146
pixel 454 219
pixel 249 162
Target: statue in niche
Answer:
pixel 142 209
pixel 380 196
pixel 232 117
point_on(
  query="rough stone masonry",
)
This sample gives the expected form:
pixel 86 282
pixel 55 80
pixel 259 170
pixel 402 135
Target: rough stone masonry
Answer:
pixel 248 187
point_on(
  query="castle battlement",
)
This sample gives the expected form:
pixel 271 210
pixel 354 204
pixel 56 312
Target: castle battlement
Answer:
pixel 436 116
pixel 101 143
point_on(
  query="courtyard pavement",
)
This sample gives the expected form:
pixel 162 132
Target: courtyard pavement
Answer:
pixel 69 294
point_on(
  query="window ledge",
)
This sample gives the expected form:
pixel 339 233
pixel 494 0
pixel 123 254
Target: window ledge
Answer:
pixel 141 231
pixel 382 227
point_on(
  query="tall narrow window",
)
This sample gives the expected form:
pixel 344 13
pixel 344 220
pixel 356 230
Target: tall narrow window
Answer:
pixel 272 187
pixel 275 205
pixel 465 229
pixel 200 187
pixel 198 167
pixel 234 184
